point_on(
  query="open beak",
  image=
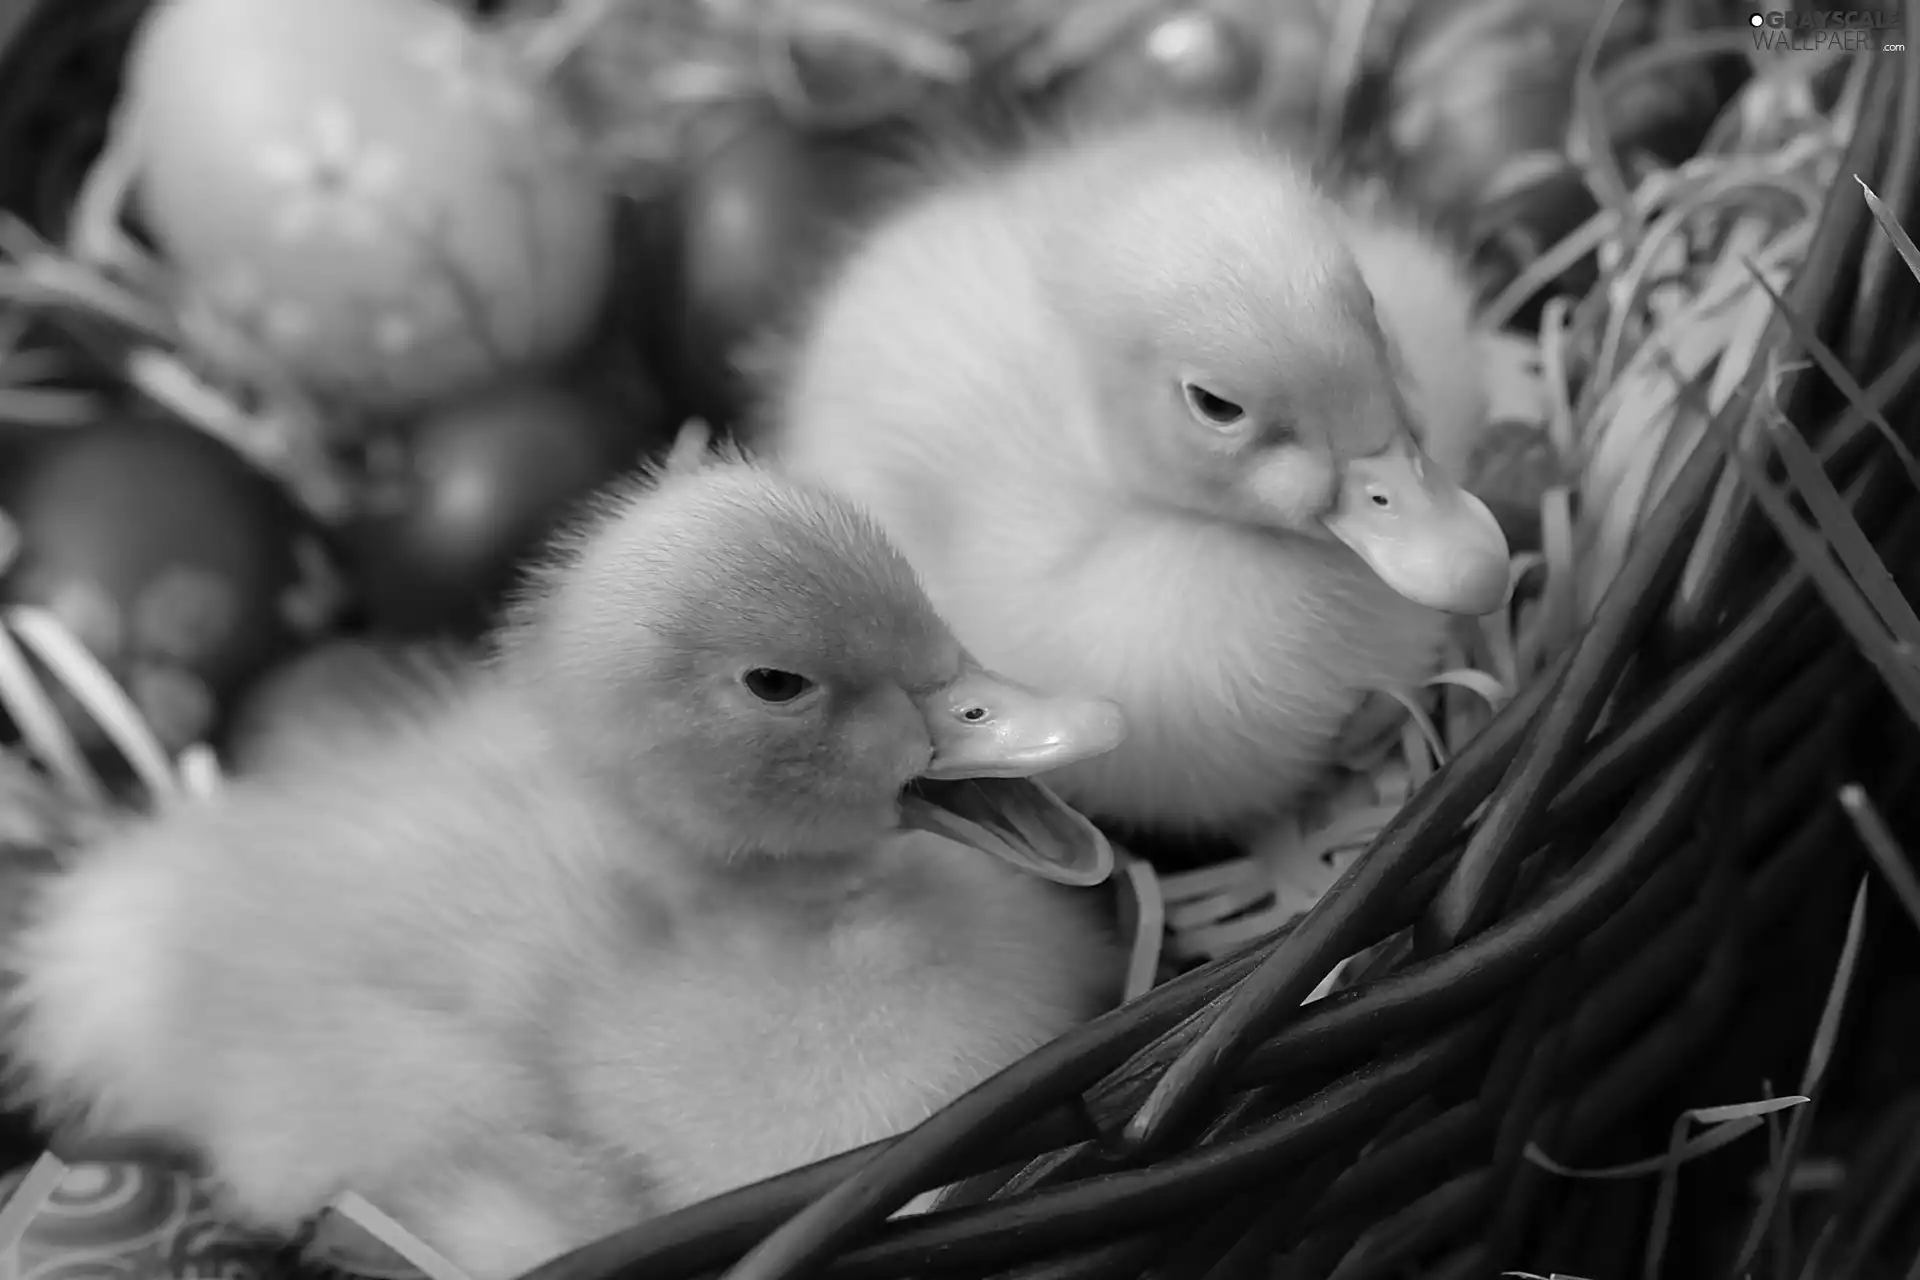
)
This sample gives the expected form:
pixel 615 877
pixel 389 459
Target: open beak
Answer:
pixel 1427 538
pixel 990 736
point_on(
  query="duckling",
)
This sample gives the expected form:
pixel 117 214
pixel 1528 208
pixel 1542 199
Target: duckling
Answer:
pixel 1159 420
pixel 295 707
pixel 663 899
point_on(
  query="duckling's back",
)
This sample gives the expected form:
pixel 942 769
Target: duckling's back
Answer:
pixel 322 980
pixel 939 349
pixel 949 381
pixel 935 328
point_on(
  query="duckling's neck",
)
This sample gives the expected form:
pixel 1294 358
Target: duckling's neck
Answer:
pixel 791 899
pixel 693 869
pixel 709 836
pixel 810 882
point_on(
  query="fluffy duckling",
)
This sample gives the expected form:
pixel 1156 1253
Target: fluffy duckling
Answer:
pixel 1159 420
pixel 636 915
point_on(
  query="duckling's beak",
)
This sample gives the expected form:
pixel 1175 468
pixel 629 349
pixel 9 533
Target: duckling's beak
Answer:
pixel 1426 537
pixel 1016 820
pixel 990 736
pixel 984 726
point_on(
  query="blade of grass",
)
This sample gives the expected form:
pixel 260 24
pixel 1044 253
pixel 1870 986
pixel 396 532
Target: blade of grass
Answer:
pixel 1781 1236
pixel 1590 142
pixel 1555 379
pixel 1831 365
pixel 1813 1267
pixel 1597 230
pixel 1746 1118
pixel 1568 594
pixel 1831 581
pixel 1883 848
pixel 1891 381
pixel 1724 1125
pixel 1427 734
pixel 1818 1057
pixel 1891 228
pixel 431 1263
pixel 38 721
pixel 1141 900
pixel 17 1214
pixel 95 689
pixel 1480 683
pixel 1843 533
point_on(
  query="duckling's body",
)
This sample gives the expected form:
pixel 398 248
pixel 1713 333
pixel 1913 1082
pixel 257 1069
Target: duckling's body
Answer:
pixel 495 971
pixel 983 375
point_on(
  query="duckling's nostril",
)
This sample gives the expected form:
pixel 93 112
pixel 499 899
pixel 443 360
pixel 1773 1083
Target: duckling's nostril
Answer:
pixel 1379 499
pixel 973 715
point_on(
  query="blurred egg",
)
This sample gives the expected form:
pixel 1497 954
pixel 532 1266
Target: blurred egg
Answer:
pixel 1190 57
pixel 340 685
pixel 483 482
pixel 1198 56
pixel 183 569
pixel 754 224
pixel 373 191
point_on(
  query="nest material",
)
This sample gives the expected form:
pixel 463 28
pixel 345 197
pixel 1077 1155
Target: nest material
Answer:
pixel 1559 872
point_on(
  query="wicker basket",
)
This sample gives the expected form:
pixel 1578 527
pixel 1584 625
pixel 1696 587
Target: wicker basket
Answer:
pixel 1588 887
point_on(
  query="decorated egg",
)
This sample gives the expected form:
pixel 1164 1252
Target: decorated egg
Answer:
pixel 753 225
pixel 137 1222
pixel 183 569
pixel 481 485
pixel 375 193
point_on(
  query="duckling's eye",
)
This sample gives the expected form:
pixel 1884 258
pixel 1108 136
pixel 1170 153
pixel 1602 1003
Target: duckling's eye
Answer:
pixel 1210 408
pixel 770 685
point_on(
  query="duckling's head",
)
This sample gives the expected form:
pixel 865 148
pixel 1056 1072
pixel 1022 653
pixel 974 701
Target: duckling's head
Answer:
pixel 1246 375
pixel 754 665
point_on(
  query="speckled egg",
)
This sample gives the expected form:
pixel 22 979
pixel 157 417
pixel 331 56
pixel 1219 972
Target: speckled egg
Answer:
pixel 377 193
pixel 182 569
